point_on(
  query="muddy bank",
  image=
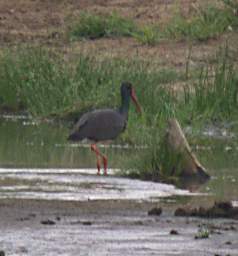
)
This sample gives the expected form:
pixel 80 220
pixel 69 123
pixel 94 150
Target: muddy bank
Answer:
pixel 38 227
pixel 218 210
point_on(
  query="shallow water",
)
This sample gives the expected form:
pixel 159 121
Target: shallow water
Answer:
pixel 79 185
pixel 37 162
pixel 98 215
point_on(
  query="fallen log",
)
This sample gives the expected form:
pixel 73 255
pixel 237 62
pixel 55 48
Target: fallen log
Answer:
pixel 177 146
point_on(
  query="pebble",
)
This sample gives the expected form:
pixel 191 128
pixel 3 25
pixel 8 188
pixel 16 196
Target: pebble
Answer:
pixel 173 232
pixel 47 222
pixel 155 211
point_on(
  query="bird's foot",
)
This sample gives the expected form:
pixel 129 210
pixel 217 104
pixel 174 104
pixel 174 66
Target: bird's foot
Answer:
pixel 98 167
pixel 105 165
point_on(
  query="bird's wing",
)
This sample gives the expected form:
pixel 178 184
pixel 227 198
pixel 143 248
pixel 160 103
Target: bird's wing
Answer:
pixel 81 122
pixel 105 123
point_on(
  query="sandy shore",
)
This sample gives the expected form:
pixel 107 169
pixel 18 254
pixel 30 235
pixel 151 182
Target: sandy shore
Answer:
pixel 35 227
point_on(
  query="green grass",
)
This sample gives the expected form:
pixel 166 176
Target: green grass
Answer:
pixel 92 26
pixel 149 34
pixel 36 80
pixel 216 96
pixel 44 83
pixel 206 23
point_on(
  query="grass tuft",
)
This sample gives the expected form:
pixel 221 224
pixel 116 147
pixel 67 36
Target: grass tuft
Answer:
pixel 149 34
pixel 216 91
pixel 208 22
pixel 91 26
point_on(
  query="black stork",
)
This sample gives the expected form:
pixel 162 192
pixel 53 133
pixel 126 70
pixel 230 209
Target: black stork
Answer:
pixel 105 124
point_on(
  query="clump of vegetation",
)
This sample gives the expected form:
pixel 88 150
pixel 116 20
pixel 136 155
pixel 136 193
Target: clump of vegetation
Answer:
pixel 216 91
pixel 93 26
pixel 203 233
pixel 232 5
pixel 208 23
pixel 149 34
pixel 156 162
pixel 42 82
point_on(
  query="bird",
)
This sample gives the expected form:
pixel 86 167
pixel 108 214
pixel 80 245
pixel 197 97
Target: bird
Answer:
pixel 102 125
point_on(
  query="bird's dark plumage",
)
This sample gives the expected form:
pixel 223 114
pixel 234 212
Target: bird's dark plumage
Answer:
pixel 99 125
pixel 104 124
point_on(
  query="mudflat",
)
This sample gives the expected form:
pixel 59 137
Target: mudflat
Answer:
pixel 108 227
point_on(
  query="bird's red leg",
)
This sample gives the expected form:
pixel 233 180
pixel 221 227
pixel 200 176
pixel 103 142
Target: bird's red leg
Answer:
pixel 105 164
pixel 98 153
pixel 94 148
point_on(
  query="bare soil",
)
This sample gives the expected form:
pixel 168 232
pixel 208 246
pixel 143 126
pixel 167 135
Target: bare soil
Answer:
pixel 46 23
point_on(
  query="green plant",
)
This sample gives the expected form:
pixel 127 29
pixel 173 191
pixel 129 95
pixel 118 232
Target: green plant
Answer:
pixel 203 233
pixel 216 97
pixel 150 35
pixel 95 26
pixel 32 75
pixel 208 23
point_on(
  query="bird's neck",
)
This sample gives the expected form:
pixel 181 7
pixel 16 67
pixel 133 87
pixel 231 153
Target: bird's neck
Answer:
pixel 125 104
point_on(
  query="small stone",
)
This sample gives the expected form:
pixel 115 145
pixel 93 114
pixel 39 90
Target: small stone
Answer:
pixel 173 232
pixel 47 222
pixel 155 211
pixel 87 223
pixel 226 205
pixel 32 215
pixel 181 212
pixel 228 242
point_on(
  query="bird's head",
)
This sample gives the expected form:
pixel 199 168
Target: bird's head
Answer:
pixel 128 90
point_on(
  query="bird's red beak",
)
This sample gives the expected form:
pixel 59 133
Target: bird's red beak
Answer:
pixel 135 101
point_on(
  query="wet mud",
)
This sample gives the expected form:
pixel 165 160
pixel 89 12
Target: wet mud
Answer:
pixel 114 227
